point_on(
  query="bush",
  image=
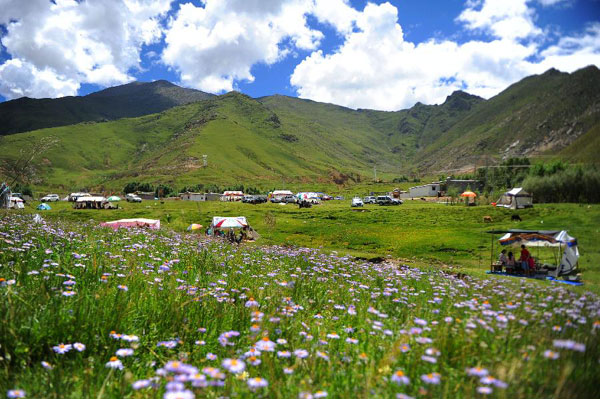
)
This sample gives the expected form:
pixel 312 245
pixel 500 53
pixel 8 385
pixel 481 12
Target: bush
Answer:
pixel 567 185
pixel 132 187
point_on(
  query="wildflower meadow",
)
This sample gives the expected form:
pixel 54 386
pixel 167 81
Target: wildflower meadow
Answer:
pixel 88 312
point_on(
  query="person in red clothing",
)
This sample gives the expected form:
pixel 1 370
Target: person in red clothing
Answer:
pixel 531 264
pixel 524 259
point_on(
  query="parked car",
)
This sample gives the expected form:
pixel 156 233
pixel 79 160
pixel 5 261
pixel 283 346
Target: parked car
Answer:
pixel 254 199
pixel 388 200
pixel 276 200
pixel 370 200
pixel 290 199
pixel 50 198
pixel 132 198
pixel 339 198
pixel 326 197
pixel 357 202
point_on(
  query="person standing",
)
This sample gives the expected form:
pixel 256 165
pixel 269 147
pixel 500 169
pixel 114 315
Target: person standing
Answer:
pixel 524 259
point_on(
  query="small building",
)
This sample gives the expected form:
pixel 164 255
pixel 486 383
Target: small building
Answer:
pixel 213 196
pixel 145 195
pixel 192 196
pixel 425 190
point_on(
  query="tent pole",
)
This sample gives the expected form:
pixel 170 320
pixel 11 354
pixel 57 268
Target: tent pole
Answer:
pixel 492 254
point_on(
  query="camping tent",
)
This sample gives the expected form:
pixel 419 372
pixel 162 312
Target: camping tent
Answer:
pixel 308 196
pixel 150 223
pixel 44 207
pixel 232 196
pixel 114 198
pixel 546 238
pixel 15 203
pixel 516 198
pixel 281 193
pixel 194 226
pixel 221 222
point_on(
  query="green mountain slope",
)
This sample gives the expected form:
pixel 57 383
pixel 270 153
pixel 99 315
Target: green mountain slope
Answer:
pixel 538 116
pixel 277 139
pixel 133 99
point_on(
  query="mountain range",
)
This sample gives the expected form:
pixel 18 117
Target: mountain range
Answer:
pixel 286 139
pixel 126 101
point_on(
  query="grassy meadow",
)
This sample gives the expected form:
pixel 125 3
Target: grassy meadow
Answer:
pixel 89 312
pixel 417 232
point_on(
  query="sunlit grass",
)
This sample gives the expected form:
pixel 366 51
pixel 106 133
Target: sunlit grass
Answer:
pixel 359 323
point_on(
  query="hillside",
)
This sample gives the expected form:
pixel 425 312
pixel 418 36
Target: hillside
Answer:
pixel 130 100
pixel 540 116
pixel 277 139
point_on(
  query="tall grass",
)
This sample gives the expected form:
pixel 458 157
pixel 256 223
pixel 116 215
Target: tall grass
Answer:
pixel 359 323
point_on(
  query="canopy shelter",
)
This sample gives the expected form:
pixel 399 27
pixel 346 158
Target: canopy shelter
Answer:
pixel 281 193
pixel 559 239
pixel 232 196
pixel 469 194
pixel 93 202
pixel 129 223
pixel 517 198
pixel 194 226
pixel 237 222
pixel 43 207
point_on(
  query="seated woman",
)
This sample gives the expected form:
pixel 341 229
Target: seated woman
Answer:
pixel 502 259
pixel 510 263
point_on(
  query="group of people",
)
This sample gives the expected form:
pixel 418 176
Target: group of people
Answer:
pixel 230 234
pixel 525 263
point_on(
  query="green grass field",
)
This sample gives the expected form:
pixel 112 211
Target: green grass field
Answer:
pixel 419 232
pixel 89 312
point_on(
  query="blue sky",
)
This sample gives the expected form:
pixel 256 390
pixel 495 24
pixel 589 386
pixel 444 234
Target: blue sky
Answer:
pixel 382 55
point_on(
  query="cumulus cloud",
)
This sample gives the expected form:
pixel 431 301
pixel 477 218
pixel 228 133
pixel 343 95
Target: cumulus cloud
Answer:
pixel 61 44
pixel 377 68
pixel 508 19
pixel 215 45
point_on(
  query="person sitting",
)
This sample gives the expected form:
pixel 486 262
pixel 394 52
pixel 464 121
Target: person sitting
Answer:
pixel 510 263
pixel 502 259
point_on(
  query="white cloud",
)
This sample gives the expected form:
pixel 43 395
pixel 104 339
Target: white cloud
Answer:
pixel 507 19
pixel 63 44
pixel 573 52
pixel 376 68
pixel 215 45
pixel 19 79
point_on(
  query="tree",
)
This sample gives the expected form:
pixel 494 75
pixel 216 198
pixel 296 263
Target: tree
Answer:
pixel 23 168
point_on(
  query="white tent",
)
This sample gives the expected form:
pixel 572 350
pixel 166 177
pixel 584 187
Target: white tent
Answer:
pixel 517 198
pixel 221 222
pixel 557 239
pixel 281 193
pixel 15 203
